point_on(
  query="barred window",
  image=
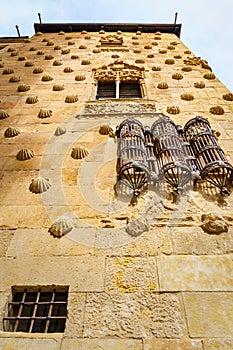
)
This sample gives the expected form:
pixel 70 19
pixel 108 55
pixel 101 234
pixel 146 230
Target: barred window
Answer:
pixel 117 89
pixel 42 310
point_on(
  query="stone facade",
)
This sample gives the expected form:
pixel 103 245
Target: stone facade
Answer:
pixel 141 277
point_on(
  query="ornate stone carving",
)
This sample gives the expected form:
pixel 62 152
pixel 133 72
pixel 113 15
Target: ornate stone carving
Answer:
pixel 8 71
pixel 105 130
pixel 50 43
pixel 79 152
pixel 80 77
pixel 71 42
pixel 32 99
pixel 40 53
pixel 74 57
pixel 61 226
pixel 44 113
pixel 213 223
pixel 71 98
pixel 156 68
pixel 177 76
pixel 14 79
pixel 209 76
pixel 48 57
pixel 218 110
pixel 11 132
pixel 39 185
pixel 173 109
pixel 22 58
pixel 85 62
pixel 115 107
pixel 57 63
pixel 38 70
pixel 228 97
pixel 60 131
pixel 3 114
pixel 68 70
pixel 162 85
pixel 65 51
pixel 199 85
pixel 197 61
pixel 111 39
pixel 58 87
pixel 118 69
pixel 29 64
pixel 25 154
pixel 137 226
pixel 23 88
pixel 47 78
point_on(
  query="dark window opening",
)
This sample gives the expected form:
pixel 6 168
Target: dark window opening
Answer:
pixel 126 90
pixel 37 311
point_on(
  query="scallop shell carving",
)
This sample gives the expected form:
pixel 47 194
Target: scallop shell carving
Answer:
pixel 102 32
pixel 177 56
pixel 218 110
pixel 39 185
pixel 37 70
pixel 11 132
pixel 187 97
pixel 4 114
pixel 29 64
pixel 69 37
pixel 151 55
pixel 8 71
pixel 14 79
pixel 50 43
pixel 57 63
pixel 44 113
pixel 79 152
pixel 47 78
pixel 68 70
pixel 171 47
pixel 48 57
pixel 11 49
pixel 199 85
pixel 80 77
pixel 65 51
pixel 147 47
pixel 74 57
pixel 61 33
pixel 60 131
pixel 162 85
pixel 173 109
pixel 82 46
pixel 156 68
pixel 187 52
pixel 115 56
pixel 23 87
pixel 57 47
pixel 15 53
pixel 71 42
pixel 71 98
pixel 25 154
pixel 135 43
pixel 1 65
pixel 186 69
pixel 87 37
pixel 40 53
pixel 58 87
pixel 33 48
pixel 137 51
pixel 139 60
pixel 85 62
pixel 32 99
pixel 105 130
pixel 96 51
pixel 174 43
pixel 45 40
pixel 61 226
pixel 83 32
pixel 228 97
pixel 177 76
pixel 154 43
pixel 169 61
pixel 157 38
pixel 162 51
pixel 209 76
pixel 22 58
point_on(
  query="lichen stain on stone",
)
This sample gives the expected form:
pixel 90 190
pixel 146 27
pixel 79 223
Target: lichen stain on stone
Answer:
pixel 125 288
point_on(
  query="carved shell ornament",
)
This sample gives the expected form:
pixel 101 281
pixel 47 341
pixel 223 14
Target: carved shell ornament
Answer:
pixel 44 113
pixel 39 185
pixel 61 33
pixel 37 70
pixel 57 47
pixel 74 57
pixel 79 152
pixel 105 130
pixel 61 226
pixel 71 42
pixel 60 131
pixel 199 85
pixel 85 62
pixel 169 61
pixel 65 51
pixel 228 97
pixel 47 78
pixel 3 114
pixel 162 85
pixel 11 132
pixel 40 53
pixel 209 76
pixel 187 97
pixel 58 87
pixel 33 48
pixel 71 98
pixel 25 154
pixel 29 64
pixel 8 71
pixel 156 68
pixel 32 99
pixel 82 47
pixel 177 76
pixel 50 43
pixel 23 88
pixel 187 69
pixel 68 70
pixel 14 79
pixel 173 109
pixel 57 63
pixel 80 77
pixel 22 58
pixel 217 110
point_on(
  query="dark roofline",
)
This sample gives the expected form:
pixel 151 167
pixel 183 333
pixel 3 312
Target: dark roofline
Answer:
pixel 108 27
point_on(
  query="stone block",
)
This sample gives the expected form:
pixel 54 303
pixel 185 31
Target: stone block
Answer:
pixel 171 344
pixel 5 240
pixel 134 315
pixel 130 275
pixel 29 344
pixel 209 315
pixel 218 344
pixel 103 344
pixel 75 315
pixel 195 273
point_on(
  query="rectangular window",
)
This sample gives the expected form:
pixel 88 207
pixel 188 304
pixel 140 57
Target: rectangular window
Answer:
pixel 37 310
pixel 112 90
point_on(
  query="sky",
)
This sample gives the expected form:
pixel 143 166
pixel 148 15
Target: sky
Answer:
pixel 207 25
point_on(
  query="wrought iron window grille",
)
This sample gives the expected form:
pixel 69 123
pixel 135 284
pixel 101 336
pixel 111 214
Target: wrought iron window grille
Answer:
pixel 37 311
pixel 166 151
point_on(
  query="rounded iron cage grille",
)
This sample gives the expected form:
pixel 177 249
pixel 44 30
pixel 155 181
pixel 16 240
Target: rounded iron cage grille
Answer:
pixel 170 155
pixel 211 159
pixel 132 166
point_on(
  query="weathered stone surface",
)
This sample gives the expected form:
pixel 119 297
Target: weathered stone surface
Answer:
pixel 80 273
pixel 133 315
pixel 213 223
pixel 165 344
pixel 29 344
pixel 130 275
pixel 209 315
pixel 101 344
pixel 193 240
pixel 136 227
pixel 5 239
pixel 190 273
pixel 75 315
pixel 220 344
